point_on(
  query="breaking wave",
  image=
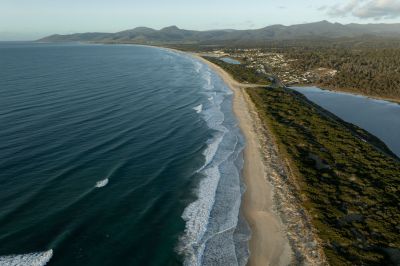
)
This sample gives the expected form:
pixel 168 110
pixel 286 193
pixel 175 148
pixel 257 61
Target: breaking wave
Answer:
pixel 30 259
pixel 101 183
pixel 198 108
pixel 212 235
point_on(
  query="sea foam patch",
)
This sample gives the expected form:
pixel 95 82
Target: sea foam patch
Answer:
pixel 198 108
pixel 30 259
pixel 101 183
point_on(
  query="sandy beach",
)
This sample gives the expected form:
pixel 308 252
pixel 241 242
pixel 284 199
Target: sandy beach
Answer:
pixel 269 244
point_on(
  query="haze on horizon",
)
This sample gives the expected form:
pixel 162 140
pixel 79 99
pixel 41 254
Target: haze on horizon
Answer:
pixel 29 20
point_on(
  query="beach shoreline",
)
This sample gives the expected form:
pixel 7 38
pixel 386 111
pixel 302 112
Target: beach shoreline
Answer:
pixel 269 244
pixel 281 229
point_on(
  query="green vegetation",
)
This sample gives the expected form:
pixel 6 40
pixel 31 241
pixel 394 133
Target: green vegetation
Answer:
pixel 368 66
pixel 366 57
pixel 363 65
pixel 373 72
pixel 350 187
pixel 241 72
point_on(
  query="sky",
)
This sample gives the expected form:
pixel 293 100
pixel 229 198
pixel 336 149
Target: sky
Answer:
pixel 32 19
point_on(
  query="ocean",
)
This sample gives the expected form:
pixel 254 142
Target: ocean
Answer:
pixel 117 155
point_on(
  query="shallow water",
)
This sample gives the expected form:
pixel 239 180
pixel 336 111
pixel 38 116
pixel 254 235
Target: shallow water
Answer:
pixel 381 118
pixel 116 155
pixel 230 60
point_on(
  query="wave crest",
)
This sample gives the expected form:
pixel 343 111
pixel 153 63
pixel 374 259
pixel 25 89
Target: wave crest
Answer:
pixel 101 183
pixel 30 259
pixel 210 236
pixel 198 108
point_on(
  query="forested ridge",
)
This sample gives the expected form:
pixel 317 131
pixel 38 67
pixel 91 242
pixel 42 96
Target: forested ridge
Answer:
pixel 353 197
pixel 371 72
pixel 371 69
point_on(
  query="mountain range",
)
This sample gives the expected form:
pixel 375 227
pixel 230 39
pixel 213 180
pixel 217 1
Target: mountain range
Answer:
pixel 175 35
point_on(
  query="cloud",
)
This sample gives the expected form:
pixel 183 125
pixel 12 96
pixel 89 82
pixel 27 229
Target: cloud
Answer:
pixel 366 9
pixel 343 10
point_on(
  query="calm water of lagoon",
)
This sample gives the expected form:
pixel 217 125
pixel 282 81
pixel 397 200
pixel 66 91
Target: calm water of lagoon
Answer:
pixel 380 118
pixel 230 61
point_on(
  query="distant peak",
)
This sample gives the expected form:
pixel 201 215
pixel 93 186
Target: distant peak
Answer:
pixel 137 30
pixel 324 22
pixel 170 28
pixel 142 28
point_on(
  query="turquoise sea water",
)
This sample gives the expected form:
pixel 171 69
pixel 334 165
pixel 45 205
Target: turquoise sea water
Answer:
pixel 117 155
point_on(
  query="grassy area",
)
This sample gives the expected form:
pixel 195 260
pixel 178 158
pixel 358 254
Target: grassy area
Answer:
pixel 349 181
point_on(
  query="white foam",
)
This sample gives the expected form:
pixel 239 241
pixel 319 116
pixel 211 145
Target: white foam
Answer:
pixel 198 108
pixel 211 150
pixel 197 66
pixel 197 215
pixel 195 239
pixel 101 183
pixel 208 79
pixel 30 259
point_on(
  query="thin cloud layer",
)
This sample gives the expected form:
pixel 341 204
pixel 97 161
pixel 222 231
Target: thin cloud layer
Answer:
pixel 367 9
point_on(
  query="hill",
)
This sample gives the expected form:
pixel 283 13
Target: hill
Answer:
pixel 175 35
